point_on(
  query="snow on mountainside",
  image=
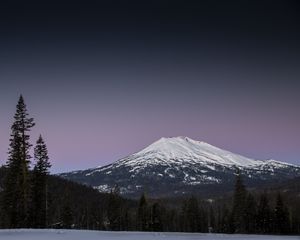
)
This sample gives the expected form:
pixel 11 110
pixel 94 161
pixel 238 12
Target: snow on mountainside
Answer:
pixel 182 149
pixel 181 165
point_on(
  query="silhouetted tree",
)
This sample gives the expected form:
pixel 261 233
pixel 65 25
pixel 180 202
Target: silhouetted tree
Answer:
pixel 156 218
pixel 226 224
pixel 264 215
pixel 16 185
pixel 281 217
pixel 193 215
pixel 114 209
pixel 39 204
pixel 239 201
pixel 142 214
pixel 212 221
pixel 250 214
pixel 295 219
pixel 67 213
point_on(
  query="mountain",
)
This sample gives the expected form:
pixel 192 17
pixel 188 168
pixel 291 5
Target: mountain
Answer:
pixel 180 165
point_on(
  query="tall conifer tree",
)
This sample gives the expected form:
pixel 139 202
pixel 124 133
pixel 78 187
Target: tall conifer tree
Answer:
pixel 156 217
pixel 142 214
pixel 264 215
pixel 193 215
pixel 16 185
pixel 250 214
pixel 239 200
pixel 67 217
pixel 39 204
pixel 114 209
pixel 281 217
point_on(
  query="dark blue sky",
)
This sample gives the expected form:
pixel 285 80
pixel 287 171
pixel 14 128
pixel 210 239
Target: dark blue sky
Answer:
pixel 104 80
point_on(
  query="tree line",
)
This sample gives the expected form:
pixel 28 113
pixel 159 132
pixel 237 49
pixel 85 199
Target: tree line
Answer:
pixel 245 213
pixel 32 198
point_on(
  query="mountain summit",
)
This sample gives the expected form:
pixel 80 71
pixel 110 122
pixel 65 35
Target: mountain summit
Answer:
pixel 185 148
pixel 181 165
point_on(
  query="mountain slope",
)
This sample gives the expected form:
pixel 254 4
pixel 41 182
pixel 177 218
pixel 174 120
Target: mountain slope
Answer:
pixel 180 165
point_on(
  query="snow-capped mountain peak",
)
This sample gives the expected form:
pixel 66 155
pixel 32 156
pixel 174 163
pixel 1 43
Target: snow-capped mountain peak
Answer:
pixel 179 165
pixel 189 149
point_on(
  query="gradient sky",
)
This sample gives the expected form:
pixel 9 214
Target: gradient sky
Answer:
pixel 105 80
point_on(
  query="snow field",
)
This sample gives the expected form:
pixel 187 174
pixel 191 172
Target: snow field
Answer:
pixel 55 234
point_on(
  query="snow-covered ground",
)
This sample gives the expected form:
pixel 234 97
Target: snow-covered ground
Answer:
pixel 28 234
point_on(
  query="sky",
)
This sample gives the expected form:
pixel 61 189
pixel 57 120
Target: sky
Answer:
pixel 104 79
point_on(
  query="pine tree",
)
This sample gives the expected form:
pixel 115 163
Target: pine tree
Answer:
pixel 239 200
pixel 16 185
pixel 183 219
pixel 11 188
pixel 204 219
pixel 142 214
pixel 66 212
pixel 264 215
pixel 39 204
pixel 226 220
pixel 114 210
pixel 295 219
pixel 193 215
pixel 250 214
pixel 281 217
pixel 212 221
pixel 156 218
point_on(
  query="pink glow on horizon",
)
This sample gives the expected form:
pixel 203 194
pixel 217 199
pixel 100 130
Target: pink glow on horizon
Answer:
pixel 80 141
